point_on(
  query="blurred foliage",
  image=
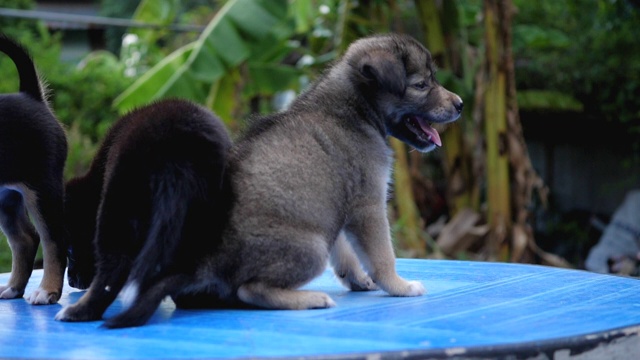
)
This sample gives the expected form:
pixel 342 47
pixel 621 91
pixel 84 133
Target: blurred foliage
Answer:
pixel 116 9
pixel 247 39
pixel 545 100
pixel 581 55
pixel 41 44
pixel 83 94
pixel 584 48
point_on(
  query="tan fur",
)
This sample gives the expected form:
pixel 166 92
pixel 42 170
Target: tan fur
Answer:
pixel 310 184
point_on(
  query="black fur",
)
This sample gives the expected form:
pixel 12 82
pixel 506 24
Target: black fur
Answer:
pixel 154 190
pixel 33 151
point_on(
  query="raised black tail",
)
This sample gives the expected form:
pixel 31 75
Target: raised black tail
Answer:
pixel 29 81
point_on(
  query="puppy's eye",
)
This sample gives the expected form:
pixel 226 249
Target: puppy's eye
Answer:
pixel 420 85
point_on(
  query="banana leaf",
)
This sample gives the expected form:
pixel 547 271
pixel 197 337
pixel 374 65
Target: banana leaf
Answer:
pixel 238 31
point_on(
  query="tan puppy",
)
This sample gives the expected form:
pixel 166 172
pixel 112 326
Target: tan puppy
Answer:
pixel 311 183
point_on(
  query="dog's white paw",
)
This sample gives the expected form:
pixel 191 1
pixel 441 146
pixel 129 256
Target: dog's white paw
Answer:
pixel 407 288
pixel 42 297
pixel 7 292
pixel 284 299
pixel 415 288
pixel 62 314
pixel 76 312
pixel 319 300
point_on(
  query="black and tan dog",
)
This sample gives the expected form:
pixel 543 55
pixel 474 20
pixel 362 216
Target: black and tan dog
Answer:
pixel 307 185
pixel 33 151
pixel 150 202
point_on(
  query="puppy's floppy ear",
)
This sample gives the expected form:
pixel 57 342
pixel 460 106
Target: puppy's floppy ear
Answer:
pixel 384 68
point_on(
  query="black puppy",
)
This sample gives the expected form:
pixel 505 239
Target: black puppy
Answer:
pixel 153 197
pixel 33 151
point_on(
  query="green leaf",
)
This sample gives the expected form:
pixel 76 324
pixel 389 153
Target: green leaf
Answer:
pixel 303 15
pixel 270 78
pixel 532 36
pixel 185 86
pixel 239 27
pixel 154 12
pixel 547 100
pixel 225 102
pixel 226 38
pixel 245 13
pixel 146 88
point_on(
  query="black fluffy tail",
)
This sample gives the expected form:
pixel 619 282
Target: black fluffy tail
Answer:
pixel 29 81
pixel 173 190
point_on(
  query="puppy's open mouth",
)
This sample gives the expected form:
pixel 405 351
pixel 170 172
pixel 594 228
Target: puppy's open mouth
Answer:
pixel 422 128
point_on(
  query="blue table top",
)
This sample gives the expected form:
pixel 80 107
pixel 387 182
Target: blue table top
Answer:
pixel 470 308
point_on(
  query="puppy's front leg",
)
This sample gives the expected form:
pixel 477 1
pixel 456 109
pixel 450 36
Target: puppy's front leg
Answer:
pixel 347 267
pixel 372 241
pixel 109 280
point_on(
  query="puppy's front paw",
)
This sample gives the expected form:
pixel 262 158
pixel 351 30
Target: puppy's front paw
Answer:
pixel 365 284
pixel 43 297
pixel 414 288
pixel 75 313
pixel 7 292
pixel 358 282
pixel 406 288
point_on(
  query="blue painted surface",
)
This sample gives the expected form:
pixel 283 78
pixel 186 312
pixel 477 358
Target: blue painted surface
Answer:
pixel 468 304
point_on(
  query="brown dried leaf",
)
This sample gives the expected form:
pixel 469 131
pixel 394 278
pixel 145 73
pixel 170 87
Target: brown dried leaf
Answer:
pixel 453 236
pixel 549 258
pixel 519 242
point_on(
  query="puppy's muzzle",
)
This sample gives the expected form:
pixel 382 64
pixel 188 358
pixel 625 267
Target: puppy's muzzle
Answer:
pixel 458 104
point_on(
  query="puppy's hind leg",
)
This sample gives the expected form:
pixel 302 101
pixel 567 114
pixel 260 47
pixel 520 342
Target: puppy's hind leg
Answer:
pixel 23 241
pixel 147 299
pixel 109 280
pixel 295 263
pixel 116 244
pixel 45 208
pixel 347 267
pixel 270 297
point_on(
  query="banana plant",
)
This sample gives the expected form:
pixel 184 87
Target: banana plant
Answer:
pixel 245 36
pixel 154 12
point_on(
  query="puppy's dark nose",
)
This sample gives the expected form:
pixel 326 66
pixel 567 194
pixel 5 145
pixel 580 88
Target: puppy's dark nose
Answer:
pixel 458 105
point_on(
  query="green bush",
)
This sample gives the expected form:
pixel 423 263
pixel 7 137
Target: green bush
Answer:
pixel 5 254
pixel 82 97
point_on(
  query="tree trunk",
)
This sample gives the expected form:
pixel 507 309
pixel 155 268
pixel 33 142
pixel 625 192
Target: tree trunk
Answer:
pixel 511 179
pixel 411 237
pixel 461 189
pixel 495 126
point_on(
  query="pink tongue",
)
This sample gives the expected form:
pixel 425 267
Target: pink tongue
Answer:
pixel 433 133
